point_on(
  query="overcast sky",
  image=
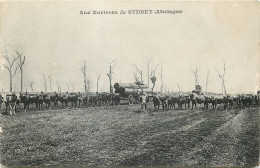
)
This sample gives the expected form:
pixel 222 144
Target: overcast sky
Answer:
pixel 56 40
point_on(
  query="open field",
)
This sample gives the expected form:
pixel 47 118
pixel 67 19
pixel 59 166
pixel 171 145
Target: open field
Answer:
pixel 124 136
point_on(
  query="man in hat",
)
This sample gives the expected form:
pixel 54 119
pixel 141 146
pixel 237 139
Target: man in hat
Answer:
pixel 48 101
pixel 40 100
pixel 27 102
pixel 80 99
pixel 65 99
pixel 143 101
pixel 55 99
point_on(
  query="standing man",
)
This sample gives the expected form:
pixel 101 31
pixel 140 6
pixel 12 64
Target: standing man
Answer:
pixel 80 101
pixel 27 102
pixel 7 102
pixel 48 101
pixel 66 96
pixel 138 96
pixel 55 100
pixel 40 100
pixel 143 101
pixel 13 107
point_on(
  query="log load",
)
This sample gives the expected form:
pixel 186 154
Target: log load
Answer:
pixel 125 89
pixel 130 86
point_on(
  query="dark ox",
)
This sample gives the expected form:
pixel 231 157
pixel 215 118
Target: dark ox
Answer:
pixel 179 99
pixel 83 100
pixel 220 99
pixel 105 99
pixel 116 99
pixel 197 99
pixel 160 100
pixel 93 100
pixel 1 100
pixel 73 99
pixel 246 100
pixel 206 100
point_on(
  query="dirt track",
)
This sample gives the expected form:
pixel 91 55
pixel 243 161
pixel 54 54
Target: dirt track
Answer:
pixel 119 136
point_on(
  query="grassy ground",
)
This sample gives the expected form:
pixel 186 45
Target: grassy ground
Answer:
pixel 124 136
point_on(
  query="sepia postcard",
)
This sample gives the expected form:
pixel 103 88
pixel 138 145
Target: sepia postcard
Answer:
pixel 129 83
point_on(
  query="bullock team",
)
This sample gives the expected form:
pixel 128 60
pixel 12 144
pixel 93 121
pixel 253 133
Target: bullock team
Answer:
pixel 167 101
pixel 190 100
pixel 42 100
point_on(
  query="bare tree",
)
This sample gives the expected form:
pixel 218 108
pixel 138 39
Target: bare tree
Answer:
pixel 207 81
pixel 44 82
pixel 72 85
pixel 58 86
pixel 31 85
pixel 153 77
pixel 136 78
pixel 88 85
pixel 109 74
pixel 68 87
pixel 98 77
pixel 20 65
pixel 196 76
pixel 222 77
pixel 9 66
pixel 161 75
pixel 83 70
pixel 49 76
pixel 140 73
pixel 179 88
pixel 148 70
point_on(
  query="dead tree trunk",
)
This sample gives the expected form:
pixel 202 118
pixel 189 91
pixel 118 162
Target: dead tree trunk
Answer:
pixel 222 77
pixel 140 73
pixel 31 85
pixel 161 75
pixel 110 79
pixel 179 87
pixel 109 74
pixel 148 71
pixel 196 76
pixel 83 70
pixel 136 78
pixel 9 67
pixel 68 87
pixel 58 86
pixel 207 81
pixel 45 83
pixel 49 76
pixel 88 85
pixel 73 89
pixel 98 77
pixel 20 65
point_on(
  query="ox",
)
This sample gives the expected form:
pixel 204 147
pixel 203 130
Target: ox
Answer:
pixel 115 99
pixel 160 100
pixel 197 99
